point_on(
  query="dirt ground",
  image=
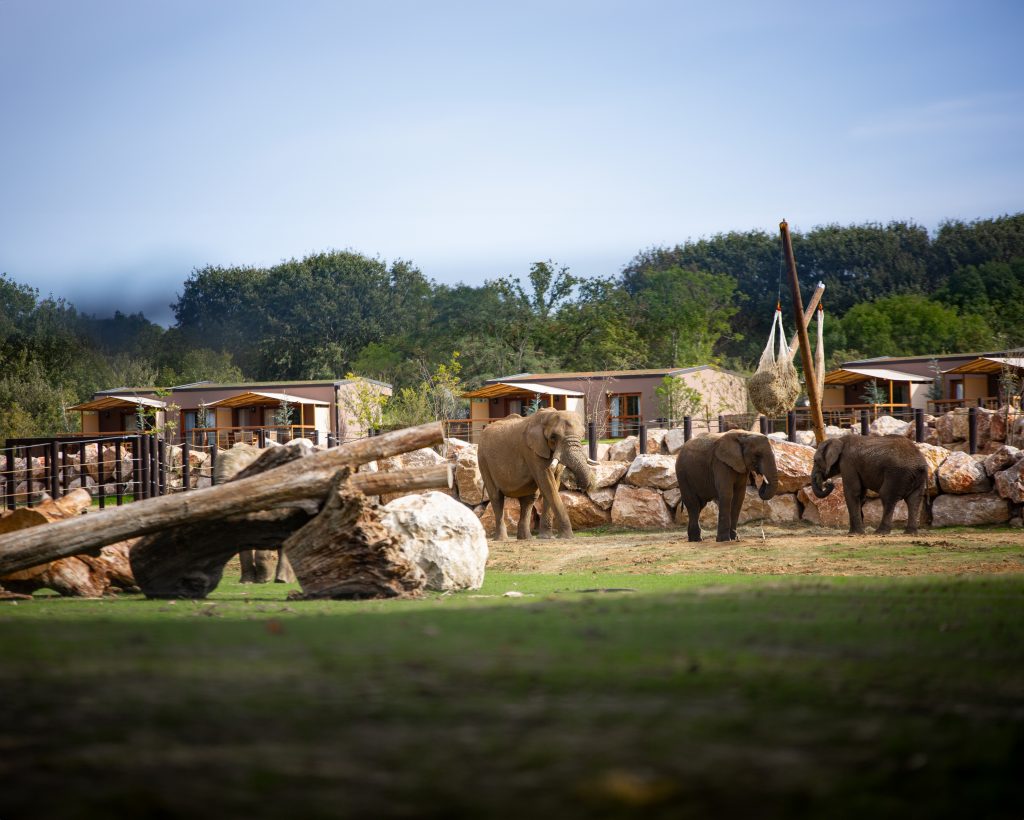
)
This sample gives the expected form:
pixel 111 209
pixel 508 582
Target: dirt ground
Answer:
pixel 770 551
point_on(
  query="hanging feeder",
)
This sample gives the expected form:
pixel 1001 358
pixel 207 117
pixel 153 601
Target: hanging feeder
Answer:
pixel 774 388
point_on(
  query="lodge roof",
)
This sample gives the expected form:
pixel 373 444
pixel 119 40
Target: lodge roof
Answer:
pixel 603 374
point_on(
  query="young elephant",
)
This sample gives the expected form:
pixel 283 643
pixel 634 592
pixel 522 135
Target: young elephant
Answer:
pixel 516 456
pixel 892 466
pixel 715 468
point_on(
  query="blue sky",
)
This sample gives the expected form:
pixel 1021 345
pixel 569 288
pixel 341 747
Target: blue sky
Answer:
pixel 140 140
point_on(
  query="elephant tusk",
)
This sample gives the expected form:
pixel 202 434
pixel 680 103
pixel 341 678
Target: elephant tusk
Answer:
pixel 593 463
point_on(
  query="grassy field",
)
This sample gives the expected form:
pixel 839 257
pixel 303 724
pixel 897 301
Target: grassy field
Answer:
pixel 589 695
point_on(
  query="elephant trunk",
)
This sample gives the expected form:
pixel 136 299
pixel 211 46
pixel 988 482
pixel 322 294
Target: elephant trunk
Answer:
pixel 770 485
pixel 820 486
pixel 573 456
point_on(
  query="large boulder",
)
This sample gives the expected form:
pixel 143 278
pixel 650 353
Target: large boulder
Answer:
pixel 468 478
pixel 442 536
pixel 652 471
pixel 674 440
pixel 888 426
pixel 1010 482
pixel 754 508
pixel 961 473
pixel 969 510
pixel 1002 457
pixel 999 426
pixel 829 511
pixel 672 497
pixel 625 450
pixel 933 456
pixel 656 440
pixel 606 474
pixel 486 516
pixel 708 519
pixel 583 511
pixel 424 457
pixel 806 438
pixel 952 426
pixel 640 508
pixel 232 461
pixel 794 463
pixel 783 509
pixel 604 497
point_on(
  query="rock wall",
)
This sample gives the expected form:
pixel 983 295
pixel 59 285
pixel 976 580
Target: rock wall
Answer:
pixel 639 490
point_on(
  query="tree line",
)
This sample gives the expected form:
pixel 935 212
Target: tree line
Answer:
pixel 891 290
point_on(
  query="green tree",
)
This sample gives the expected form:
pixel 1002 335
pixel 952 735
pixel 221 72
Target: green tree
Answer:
pixel 676 399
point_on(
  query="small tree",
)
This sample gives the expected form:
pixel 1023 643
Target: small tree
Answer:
pixel 676 399
pixel 874 393
pixel 284 414
pixel 1010 384
pixel 535 405
pixel 935 390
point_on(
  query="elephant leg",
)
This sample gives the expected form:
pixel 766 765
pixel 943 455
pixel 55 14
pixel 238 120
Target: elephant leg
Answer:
pixel 739 494
pixel 854 499
pixel 915 500
pixel 525 517
pixel 888 507
pixel 248 561
pixel 547 523
pixel 285 574
pixel 497 498
pixel 725 499
pixel 693 507
pixel 264 561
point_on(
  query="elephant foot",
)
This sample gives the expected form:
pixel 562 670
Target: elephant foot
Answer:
pixel 547 536
pixel 883 531
pixel 851 533
pixel 909 531
pixel 692 539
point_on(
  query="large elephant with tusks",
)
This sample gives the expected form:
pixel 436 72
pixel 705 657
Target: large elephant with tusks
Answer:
pixel 517 456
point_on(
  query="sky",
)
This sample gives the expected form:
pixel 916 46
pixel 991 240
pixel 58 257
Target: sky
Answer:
pixel 142 140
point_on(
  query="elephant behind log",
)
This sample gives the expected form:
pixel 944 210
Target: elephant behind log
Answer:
pixel 516 456
pixel 715 468
pixel 892 466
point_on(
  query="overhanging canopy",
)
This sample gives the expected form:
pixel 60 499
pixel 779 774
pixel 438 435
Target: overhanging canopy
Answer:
pixel 855 375
pixel 493 391
pixel 119 403
pixel 988 364
pixel 256 398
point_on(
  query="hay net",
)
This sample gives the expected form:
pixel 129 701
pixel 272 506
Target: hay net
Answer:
pixel 774 388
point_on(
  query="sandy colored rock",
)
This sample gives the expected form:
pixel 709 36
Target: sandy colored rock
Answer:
pixel 794 463
pixel 468 478
pixel 1001 458
pixel 827 512
pixel 672 497
pixel 486 516
pixel 933 456
pixel 583 511
pixel 1009 483
pixel 961 473
pixel 640 508
pixel 652 471
pixel 625 450
pixel 952 426
pixel 969 510
pixel 656 440
pixel 603 497
pixel 674 440
pixel 783 509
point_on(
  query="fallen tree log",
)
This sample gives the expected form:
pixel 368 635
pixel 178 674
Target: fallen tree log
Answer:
pixel 346 552
pixel 303 478
pixel 188 561
pixel 102 572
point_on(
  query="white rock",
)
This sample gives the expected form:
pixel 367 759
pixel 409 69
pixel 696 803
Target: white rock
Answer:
pixel 1010 482
pixel 783 508
pixel 424 457
pixel 231 462
pixel 1003 457
pixel 583 511
pixel 652 471
pixel 674 440
pixel 888 426
pixel 606 474
pixel 625 450
pixel 806 437
pixel 793 463
pixel 442 536
pixel 672 497
pixel 603 497
pixel 655 440
pixel 872 513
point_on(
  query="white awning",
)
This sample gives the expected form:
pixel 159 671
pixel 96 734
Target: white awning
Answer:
pixel 491 391
pixel 853 375
pixel 253 398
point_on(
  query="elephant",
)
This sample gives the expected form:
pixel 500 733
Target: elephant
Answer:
pixel 892 466
pixel 715 467
pixel 516 457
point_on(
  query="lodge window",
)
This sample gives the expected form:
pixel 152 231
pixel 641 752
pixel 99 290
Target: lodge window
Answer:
pixel 623 414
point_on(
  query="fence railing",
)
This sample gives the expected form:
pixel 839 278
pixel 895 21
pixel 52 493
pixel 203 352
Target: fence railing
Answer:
pixel 940 406
pixel 258 435
pixel 114 469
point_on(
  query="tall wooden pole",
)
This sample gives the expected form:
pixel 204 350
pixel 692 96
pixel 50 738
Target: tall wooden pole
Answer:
pixel 805 343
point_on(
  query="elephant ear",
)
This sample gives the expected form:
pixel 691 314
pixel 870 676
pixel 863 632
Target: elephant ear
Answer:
pixel 536 437
pixel 830 452
pixel 729 451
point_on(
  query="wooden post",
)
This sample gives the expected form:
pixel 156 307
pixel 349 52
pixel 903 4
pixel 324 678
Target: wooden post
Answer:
pixel 9 478
pixel 808 315
pixel 592 440
pixel 687 428
pixel 186 468
pixel 810 380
